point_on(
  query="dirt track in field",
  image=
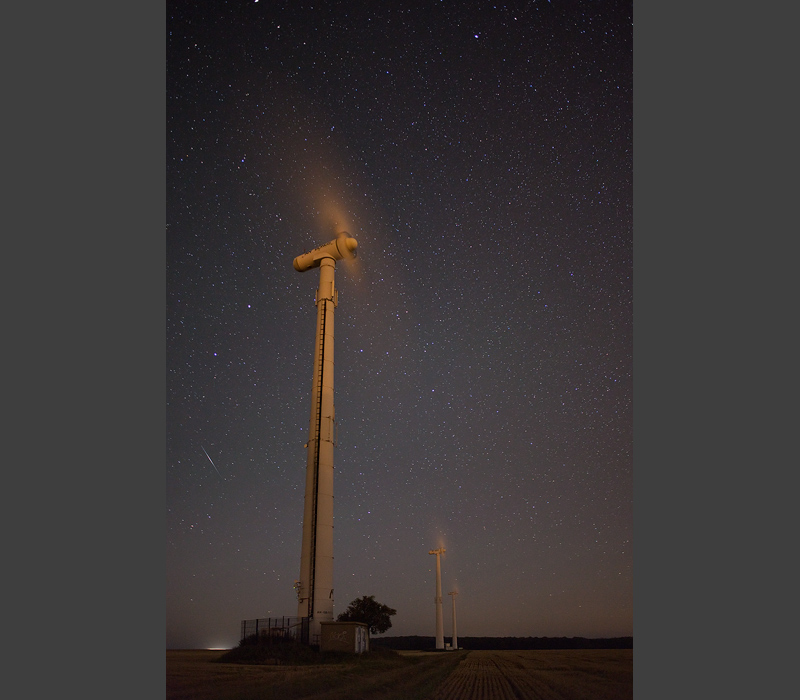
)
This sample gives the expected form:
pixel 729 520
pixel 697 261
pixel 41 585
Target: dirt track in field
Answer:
pixel 591 674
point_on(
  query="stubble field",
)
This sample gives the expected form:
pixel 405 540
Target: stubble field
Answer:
pixel 596 674
pixel 599 674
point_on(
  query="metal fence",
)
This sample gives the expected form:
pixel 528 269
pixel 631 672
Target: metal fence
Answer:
pixel 276 629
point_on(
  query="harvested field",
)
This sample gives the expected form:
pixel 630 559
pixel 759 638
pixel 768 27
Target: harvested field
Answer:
pixel 593 674
pixel 196 675
pixel 598 674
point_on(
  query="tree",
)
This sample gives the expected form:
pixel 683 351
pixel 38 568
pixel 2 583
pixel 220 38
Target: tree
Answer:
pixel 369 611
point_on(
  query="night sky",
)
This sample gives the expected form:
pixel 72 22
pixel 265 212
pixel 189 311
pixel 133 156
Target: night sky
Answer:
pixel 481 154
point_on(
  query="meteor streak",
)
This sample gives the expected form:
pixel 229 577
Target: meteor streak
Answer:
pixel 212 463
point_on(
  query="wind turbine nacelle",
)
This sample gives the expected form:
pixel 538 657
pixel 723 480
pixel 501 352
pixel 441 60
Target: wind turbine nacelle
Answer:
pixel 341 248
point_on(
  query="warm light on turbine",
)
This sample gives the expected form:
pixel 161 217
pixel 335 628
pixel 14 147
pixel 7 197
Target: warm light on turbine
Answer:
pixel 438 599
pixel 343 247
pixel 315 586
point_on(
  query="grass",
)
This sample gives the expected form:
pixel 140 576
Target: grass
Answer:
pixel 292 653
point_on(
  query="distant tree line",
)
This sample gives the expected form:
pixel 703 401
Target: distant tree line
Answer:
pixel 499 643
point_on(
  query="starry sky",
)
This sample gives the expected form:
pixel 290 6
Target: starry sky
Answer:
pixel 482 156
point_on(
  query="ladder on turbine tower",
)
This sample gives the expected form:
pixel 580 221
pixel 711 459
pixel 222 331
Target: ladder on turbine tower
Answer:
pixel 318 433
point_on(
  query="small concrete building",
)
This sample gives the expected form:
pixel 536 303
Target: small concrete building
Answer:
pixel 344 636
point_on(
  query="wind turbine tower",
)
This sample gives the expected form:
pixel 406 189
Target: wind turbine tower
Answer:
pixel 438 599
pixel 454 643
pixel 315 587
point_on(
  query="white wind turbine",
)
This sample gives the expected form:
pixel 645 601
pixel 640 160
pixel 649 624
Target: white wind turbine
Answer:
pixel 315 587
